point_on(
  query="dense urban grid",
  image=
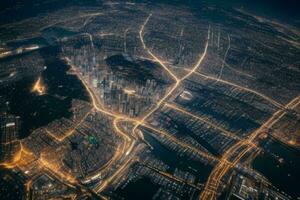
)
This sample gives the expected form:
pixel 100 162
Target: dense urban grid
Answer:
pixel 149 101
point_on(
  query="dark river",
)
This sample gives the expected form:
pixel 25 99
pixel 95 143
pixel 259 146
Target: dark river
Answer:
pixel 281 165
pixel 144 188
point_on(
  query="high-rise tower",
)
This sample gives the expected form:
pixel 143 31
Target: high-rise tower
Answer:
pixel 9 128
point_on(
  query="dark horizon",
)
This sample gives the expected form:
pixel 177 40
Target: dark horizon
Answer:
pixel 282 10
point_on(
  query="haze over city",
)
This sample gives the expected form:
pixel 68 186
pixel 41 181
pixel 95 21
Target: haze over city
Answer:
pixel 130 100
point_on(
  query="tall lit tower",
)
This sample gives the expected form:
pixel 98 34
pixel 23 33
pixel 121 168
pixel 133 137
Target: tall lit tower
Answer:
pixel 9 128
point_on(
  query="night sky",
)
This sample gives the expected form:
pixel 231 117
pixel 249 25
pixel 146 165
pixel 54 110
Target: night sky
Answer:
pixel 283 11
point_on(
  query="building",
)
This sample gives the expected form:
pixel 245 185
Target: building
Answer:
pixel 9 128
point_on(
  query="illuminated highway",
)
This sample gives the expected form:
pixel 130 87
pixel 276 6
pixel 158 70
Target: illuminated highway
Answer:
pixel 22 157
pixel 213 182
pixel 222 130
pixel 118 117
pixel 177 81
pixel 69 132
pixel 172 177
pixel 129 139
pixel 224 59
pixel 183 144
pixel 126 152
pixel 272 101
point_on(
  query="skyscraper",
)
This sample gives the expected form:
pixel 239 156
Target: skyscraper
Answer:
pixel 9 128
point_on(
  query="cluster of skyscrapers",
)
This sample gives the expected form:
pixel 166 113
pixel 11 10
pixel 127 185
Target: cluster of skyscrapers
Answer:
pixel 9 128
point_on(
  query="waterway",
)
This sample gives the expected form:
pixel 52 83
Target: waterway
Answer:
pixel 140 189
pixel 280 164
pixel 145 188
pixel 183 130
pixel 174 160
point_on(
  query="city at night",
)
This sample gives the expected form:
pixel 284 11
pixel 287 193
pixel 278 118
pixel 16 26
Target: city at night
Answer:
pixel 149 100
